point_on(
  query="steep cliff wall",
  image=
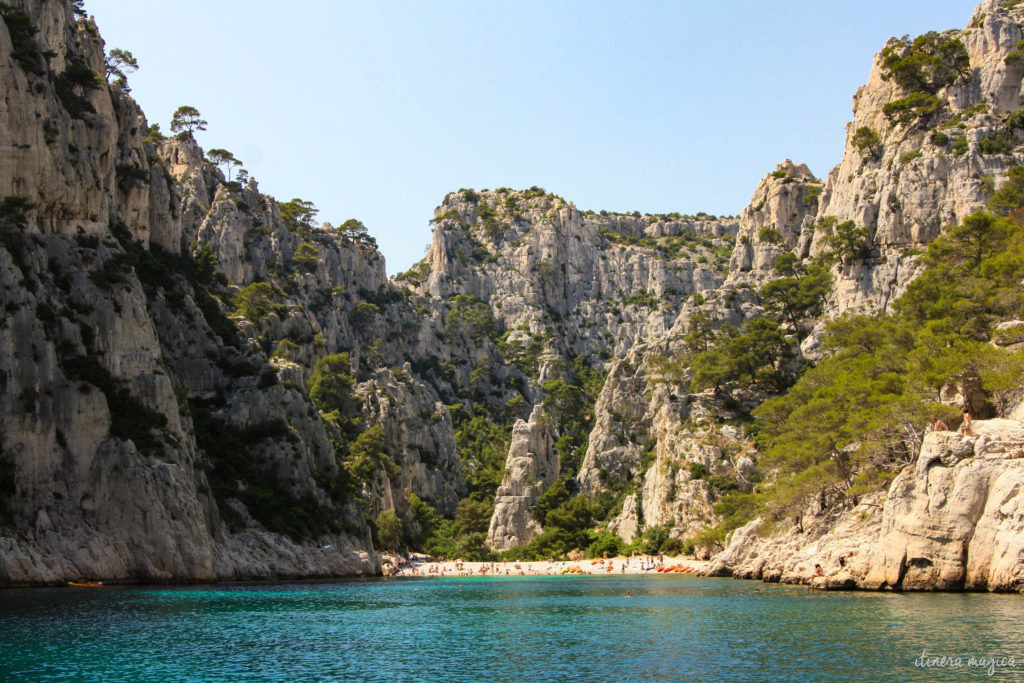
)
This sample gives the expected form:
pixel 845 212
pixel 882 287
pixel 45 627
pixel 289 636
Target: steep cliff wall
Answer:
pixel 144 437
pixel 198 382
pixel 949 522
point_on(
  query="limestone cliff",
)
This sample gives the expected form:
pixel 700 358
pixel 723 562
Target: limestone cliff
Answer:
pixel 904 179
pixel 532 466
pixel 144 436
pixel 949 522
pixel 164 412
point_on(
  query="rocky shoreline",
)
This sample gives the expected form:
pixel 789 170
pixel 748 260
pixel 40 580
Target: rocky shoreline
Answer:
pixel 952 521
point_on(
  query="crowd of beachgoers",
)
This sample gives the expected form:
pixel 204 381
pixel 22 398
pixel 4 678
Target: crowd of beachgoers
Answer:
pixel 423 565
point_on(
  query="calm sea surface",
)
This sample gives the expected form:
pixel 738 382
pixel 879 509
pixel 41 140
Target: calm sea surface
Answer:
pixel 504 629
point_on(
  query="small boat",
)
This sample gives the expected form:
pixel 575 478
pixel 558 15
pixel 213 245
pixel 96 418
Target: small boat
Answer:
pixel 85 584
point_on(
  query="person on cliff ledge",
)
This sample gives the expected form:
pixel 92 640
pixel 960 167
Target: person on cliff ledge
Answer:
pixel 965 428
pixel 940 426
pixel 818 571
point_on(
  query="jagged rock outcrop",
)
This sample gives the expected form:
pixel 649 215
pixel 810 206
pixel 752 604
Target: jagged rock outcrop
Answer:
pixel 604 282
pixel 779 215
pixel 419 439
pixel 143 437
pixel 161 325
pixel 530 469
pixel 924 174
pixel 952 521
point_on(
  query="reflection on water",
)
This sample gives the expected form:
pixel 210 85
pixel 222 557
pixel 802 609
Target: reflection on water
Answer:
pixel 533 628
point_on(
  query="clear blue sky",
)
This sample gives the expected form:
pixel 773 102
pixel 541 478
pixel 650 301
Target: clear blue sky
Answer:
pixel 375 110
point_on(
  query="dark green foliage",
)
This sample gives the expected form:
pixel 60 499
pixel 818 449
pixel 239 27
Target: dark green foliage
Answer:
pixel 849 242
pixel 606 544
pixel 353 231
pixel 1000 143
pixel 129 175
pixel 214 315
pixel 118 64
pixel 465 536
pixel 206 262
pixel 959 146
pixel 257 301
pixel 7 489
pixel 187 119
pixel 389 530
pixel 330 384
pixel 72 83
pixel 482 437
pixel 234 470
pixel 568 527
pixel 364 314
pixel 557 494
pixel 914 106
pixel 24 48
pixel 305 257
pixel 811 194
pixel 927 64
pixel 367 454
pixel 751 356
pixel 1016 55
pixel 469 316
pixel 129 418
pixel 854 420
pixel 922 67
pixel 770 235
pixel 299 216
pixel 794 298
pixel 938 138
pixel 1010 196
pixel 426 518
pixel 652 540
pixel 113 271
pixel 13 223
pixel 698 470
pixel 223 159
pixel 867 142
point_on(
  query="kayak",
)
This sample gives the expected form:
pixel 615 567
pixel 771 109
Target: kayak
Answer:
pixel 85 584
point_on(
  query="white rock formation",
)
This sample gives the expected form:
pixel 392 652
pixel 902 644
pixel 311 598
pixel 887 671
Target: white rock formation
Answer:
pixel 530 469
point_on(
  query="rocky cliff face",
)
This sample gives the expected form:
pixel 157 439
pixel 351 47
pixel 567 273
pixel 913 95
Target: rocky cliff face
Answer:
pixel 532 466
pixel 136 417
pixel 905 180
pixel 164 327
pixel 949 522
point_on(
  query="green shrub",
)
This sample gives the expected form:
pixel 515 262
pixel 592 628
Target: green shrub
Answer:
pixel 389 530
pixel 257 301
pixel 867 142
pixel 130 174
pixel 927 64
pixel 605 544
pixel 305 257
pixel 24 48
pixel 1001 143
pixel 72 83
pixel 914 106
pixel 770 235
pixel 907 157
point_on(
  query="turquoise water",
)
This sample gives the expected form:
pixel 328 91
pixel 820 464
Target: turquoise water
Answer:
pixel 502 629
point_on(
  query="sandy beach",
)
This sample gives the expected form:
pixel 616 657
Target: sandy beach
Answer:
pixel 424 566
